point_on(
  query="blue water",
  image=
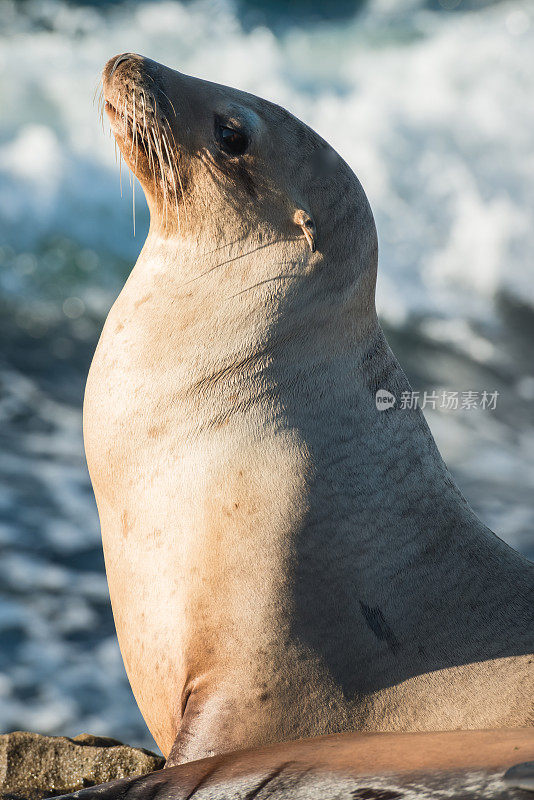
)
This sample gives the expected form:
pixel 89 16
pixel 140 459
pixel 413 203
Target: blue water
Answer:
pixel 431 105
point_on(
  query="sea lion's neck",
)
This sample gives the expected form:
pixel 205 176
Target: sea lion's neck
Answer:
pixel 390 451
pixel 226 303
pixel 276 342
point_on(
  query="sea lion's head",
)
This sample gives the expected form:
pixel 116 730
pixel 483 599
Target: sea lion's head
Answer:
pixel 219 165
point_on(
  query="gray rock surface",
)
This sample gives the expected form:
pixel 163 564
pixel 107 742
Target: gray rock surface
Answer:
pixel 34 766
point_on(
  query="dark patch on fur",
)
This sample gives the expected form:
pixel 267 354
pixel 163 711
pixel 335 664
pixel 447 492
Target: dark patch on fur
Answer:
pixel 369 793
pixel 379 626
pixel 245 177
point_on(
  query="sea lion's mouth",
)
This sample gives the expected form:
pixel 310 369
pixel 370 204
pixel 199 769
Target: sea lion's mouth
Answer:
pixel 115 117
pixel 124 124
pixel 110 109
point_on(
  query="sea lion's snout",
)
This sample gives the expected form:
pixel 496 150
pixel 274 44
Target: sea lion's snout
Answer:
pixel 113 64
pixel 142 116
pixel 125 72
pixel 120 59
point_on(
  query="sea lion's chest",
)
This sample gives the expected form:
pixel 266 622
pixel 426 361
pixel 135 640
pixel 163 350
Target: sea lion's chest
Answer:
pixel 137 412
pixel 122 406
pixel 155 425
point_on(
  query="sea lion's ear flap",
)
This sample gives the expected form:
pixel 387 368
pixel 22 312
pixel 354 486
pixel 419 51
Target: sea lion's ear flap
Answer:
pixel 307 225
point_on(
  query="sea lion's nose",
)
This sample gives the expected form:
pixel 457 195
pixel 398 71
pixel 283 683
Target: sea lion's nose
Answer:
pixel 121 58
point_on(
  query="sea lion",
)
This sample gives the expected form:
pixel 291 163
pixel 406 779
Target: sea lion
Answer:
pixel 467 765
pixel 284 558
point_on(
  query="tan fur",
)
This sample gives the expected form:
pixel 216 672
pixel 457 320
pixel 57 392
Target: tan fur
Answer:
pixel 284 560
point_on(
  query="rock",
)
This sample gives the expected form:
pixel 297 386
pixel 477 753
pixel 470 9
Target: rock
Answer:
pixel 34 766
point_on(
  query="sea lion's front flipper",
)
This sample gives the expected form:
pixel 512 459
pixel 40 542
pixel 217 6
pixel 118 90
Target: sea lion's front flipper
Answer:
pixel 206 728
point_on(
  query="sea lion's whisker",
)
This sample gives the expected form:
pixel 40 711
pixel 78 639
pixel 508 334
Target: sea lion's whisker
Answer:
pixel 125 134
pixel 98 100
pixel 234 258
pixel 133 203
pixel 144 114
pixel 262 283
pixel 178 174
pixel 160 90
pixel 147 138
pixel 169 99
pixel 150 151
pixel 183 194
pixel 136 135
pixel 162 173
pixel 134 127
pixel 205 253
pixel 153 159
pixel 121 112
pixel 134 144
pixel 165 173
pixel 101 103
pixel 120 170
pixel 173 178
pixel 125 117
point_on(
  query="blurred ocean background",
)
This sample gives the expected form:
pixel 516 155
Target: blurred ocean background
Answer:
pixel 430 102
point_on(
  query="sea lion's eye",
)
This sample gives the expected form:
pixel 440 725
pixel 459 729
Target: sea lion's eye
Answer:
pixel 234 142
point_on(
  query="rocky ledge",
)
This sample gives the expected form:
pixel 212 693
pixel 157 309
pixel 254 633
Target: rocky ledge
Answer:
pixel 34 766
